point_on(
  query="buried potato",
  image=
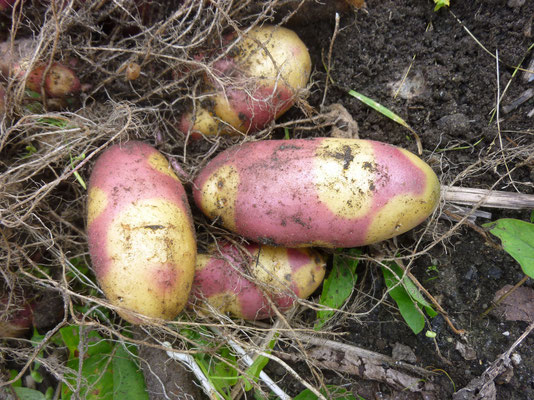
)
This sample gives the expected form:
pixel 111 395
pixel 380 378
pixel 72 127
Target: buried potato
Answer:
pixel 141 237
pixel 255 85
pixel 317 192
pixel 238 282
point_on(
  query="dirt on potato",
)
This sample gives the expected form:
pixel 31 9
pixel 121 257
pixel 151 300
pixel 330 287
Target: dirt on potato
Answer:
pixel 458 77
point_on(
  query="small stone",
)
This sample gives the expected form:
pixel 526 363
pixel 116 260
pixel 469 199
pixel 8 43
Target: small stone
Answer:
pixel 506 333
pixel 467 352
pixel 402 352
pixel 516 359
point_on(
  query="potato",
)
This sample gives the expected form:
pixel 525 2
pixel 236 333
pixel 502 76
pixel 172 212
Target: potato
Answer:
pixel 254 87
pixel 281 273
pixel 317 192
pixel 60 81
pixel 141 237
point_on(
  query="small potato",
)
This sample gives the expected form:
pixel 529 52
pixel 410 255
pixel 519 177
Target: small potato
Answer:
pixel 317 192
pixel 141 236
pixel 254 87
pixel 60 80
pixel 236 282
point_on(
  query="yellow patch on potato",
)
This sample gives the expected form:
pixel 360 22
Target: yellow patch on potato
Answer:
pixel 205 122
pixel 225 302
pixel 292 62
pixel 160 164
pixel 342 177
pixel 272 267
pixel 390 222
pixel 222 187
pixel 153 251
pixel 97 203
pixel 308 278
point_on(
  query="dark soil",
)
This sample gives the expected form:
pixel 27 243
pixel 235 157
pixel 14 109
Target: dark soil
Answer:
pixel 450 85
pixel 451 104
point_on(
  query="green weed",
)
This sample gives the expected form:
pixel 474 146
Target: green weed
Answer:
pixel 517 239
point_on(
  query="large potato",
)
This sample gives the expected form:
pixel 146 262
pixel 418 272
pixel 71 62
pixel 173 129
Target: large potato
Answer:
pixel 257 84
pixel 141 236
pixel 317 192
pixel 234 282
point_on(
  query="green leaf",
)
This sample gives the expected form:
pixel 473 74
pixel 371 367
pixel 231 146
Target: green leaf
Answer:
pixel 24 393
pixel 338 286
pixel 223 375
pixel 517 239
pixel 441 3
pixel 335 392
pixel 259 363
pixel 406 295
pixel 96 372
pixel 71 337
pixel 286 134
pixel 37 377
pixel 128 380
pixel 12 374
pixel 49 394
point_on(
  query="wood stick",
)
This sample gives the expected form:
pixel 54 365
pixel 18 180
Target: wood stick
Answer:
pixel 487 198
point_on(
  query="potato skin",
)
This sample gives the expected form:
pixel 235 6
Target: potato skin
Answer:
pixel 256 90
pixel 317 192
pixel 282 273
pixel 141 236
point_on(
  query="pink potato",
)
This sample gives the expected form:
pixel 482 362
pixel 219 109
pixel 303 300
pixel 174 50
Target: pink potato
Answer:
pixel 141 236
pixel 60 80
pixel 254 86
pixel 317 192
pixel 237 283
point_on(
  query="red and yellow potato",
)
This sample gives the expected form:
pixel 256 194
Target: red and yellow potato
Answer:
pixel 232 281
pixel 256 85
pixel 141 237
pixel 317 192
pixel 60 81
